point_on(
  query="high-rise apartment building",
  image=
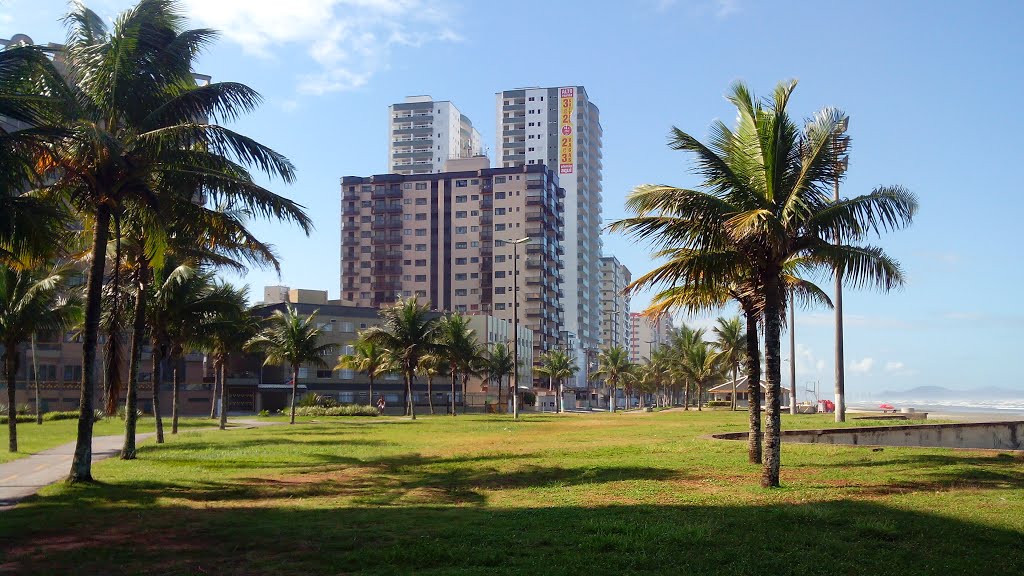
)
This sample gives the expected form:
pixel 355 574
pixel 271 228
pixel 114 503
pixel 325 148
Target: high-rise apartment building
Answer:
pixel 616 325
pixel 423 134
pixel 445 238
pixel 561 128
pixel 647 335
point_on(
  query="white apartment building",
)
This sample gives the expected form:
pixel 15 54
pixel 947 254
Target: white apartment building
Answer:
pixel 616 325
pixel 647 335
pixel 423 134
pixel 561 128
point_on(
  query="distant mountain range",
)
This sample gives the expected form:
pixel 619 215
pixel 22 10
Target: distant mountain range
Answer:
pixel 940 393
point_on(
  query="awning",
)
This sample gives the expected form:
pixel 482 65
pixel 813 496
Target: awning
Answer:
pixel 278 386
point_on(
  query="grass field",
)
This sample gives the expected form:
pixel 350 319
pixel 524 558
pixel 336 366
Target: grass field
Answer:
pixel 575 494
pixel 33 437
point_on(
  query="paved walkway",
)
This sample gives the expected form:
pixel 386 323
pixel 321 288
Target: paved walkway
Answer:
pixel 23 477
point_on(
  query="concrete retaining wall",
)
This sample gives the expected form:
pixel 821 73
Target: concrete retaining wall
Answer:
pixel 983 435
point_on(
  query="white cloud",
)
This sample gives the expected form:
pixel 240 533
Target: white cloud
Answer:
pixel 893 366
pixel 347 41
pixel 726 8
pixel 862 366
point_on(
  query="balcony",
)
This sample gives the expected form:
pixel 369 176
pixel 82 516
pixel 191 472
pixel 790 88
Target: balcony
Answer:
pixel 390 239
pixel 390 270
pixel 387 285
pixel 387 209
pixel 486 219
pixel 351 197
pixel 350 211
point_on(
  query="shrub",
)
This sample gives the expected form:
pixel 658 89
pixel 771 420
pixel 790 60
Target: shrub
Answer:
pixel 718 403
pixel 350 410
pixel 20 419
pixel 311 400
pixel 121 411
pixel 264 413
pixel 65 415
pixel 529 398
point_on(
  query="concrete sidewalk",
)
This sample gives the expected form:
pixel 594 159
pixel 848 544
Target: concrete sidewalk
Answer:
pixel 24 477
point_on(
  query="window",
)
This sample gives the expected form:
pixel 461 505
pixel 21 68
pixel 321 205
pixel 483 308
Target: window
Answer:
pixel 366 203
pixel 461 199
pixel 366 249
pixel 499 195
pixel 421 201
pixel 421 217
pixel 347 326
pixel 475 181
pixel 460 292
pixel 499 211
pixel 421 293
pixel 499 258
pixel 460 214
pixel 406 185
pixel 406 217
pixel 499 290
pixel 421 262
pixel 461 308
pixel 474 259
pixel 474 228
pixel 474 275
pixel 461 229
pixel 323 373
pixel 47 372
pixel 499 179
pixel 474 290
pixel 420 231
pixel 407 232
pixel 499 306
pixel 347 375
pixel 407 201
pixel 475 243
pixel 460 276
pixel 72 373
pixel 421 247
pixel 461 183
pixel 460 245
pixel 499 274
pixel 460 261
pixel 364 219
pixel 421 186
pixel 499 227
pixel 474 212
pixel 421 277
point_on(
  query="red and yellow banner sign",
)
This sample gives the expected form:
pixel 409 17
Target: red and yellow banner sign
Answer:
pixel 566 123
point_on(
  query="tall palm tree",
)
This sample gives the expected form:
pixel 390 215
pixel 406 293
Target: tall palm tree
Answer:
pixel 290 340
pixel 614 366
pixel 368 358
pixel 766 200
pixel 701 365
pixel 430 365
pixel 498 364
pixel 226 332
pixel 730 341
pixel 30 302
pixel 557 365
pixel 409 332
pixel 136 120
pixel 458 341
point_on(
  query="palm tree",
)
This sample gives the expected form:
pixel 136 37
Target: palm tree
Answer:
pixel 226 332
pixel 700 365
pixel 498 364
pixel 730 339
pixel 458 341
pixel 290 340
pixel 30 302
pixel 368 358
pixel 430 365
pixel 136 120
pixel 614 366
pixel 765 201
pixel 557 365
pixel 408 332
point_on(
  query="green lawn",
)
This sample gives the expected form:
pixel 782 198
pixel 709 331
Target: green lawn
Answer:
pixel 34 438
pixel 575 494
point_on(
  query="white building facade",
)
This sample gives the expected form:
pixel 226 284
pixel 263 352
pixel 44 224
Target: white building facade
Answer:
pixel 423 134
pixel 647 335
pixel 616 325
pixel 561 128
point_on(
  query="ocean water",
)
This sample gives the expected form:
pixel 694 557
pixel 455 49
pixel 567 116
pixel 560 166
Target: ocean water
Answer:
pixel 1007 406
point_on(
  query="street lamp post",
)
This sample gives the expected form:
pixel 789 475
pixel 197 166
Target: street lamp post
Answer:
pixel 840 143
pixel 792 355
pixel 515 323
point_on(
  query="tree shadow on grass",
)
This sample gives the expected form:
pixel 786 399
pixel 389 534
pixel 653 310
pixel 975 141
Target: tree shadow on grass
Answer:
pixel 937 472
pixel 841 537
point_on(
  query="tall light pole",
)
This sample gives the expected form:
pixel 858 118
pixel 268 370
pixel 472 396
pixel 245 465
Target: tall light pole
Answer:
pixel 515 323
pixel 792 354
pixel 840 143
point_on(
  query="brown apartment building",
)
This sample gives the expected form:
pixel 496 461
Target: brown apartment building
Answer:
pixel 444 238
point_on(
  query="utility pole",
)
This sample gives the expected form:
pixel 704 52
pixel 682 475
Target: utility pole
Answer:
pixel 515 323
pixel 792 354
pixel 840 143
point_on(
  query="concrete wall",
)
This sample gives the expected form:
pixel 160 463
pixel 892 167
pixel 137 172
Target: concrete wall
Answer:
pixel 982 435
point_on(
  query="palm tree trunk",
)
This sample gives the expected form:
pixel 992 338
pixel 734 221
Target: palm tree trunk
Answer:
pixel 612 390
pixel 465 383
pixel 174 396
pixel 773 377
pixel 371 389
pixel 561 396
pixel 35 374
pixel 213 393
pixel 295 388
pixel 131 402
pixel 412 401
pixel 753 389
pixel 81 465
pixel 454 378
pixel 224 396
pixel 430 392
pixel 111 369
pixel 735 372
pixel 11 363
pixel 159 351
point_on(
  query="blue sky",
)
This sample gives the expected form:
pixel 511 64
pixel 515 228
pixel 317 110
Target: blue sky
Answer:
pixel 929 87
